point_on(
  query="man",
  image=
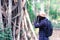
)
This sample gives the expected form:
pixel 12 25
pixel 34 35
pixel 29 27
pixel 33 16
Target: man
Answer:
pixel 44 25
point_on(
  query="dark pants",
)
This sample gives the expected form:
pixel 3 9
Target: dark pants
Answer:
pixel 43 38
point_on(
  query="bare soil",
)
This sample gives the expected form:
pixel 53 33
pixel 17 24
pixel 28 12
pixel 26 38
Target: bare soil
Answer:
pixel 55 35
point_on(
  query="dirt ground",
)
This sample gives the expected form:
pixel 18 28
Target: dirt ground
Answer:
pixel 55 35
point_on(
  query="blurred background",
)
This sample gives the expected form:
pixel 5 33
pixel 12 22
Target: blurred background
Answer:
pixel 52 9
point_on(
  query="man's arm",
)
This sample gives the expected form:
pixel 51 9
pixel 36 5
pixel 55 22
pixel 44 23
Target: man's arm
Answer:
pixel 39 24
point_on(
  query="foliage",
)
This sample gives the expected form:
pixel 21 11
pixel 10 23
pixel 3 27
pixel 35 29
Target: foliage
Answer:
pixel 37 5
pixel 30 10
pixel 6 34
pixel 53 13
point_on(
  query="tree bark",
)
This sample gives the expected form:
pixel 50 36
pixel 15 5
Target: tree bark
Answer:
pixel 1 22
pixel 31 27
pixel 9 17
pixel 9 13
pixel 20 18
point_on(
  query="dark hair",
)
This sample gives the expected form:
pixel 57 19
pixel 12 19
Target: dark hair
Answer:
pixel 40 18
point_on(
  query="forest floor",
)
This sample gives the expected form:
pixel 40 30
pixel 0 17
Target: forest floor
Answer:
pixel 55 35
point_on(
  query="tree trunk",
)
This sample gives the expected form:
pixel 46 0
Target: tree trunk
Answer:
pixel 20 18
pixel 1 22
pixel 9 13
pixel 31 27
pixel 14 28
pixel 9 17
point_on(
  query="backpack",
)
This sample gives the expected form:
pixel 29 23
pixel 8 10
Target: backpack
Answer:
pixel 48 29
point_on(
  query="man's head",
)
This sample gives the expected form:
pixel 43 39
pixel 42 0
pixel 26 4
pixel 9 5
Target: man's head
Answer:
pixel 42 14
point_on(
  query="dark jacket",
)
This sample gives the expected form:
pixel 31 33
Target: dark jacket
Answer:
pixel 41 24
